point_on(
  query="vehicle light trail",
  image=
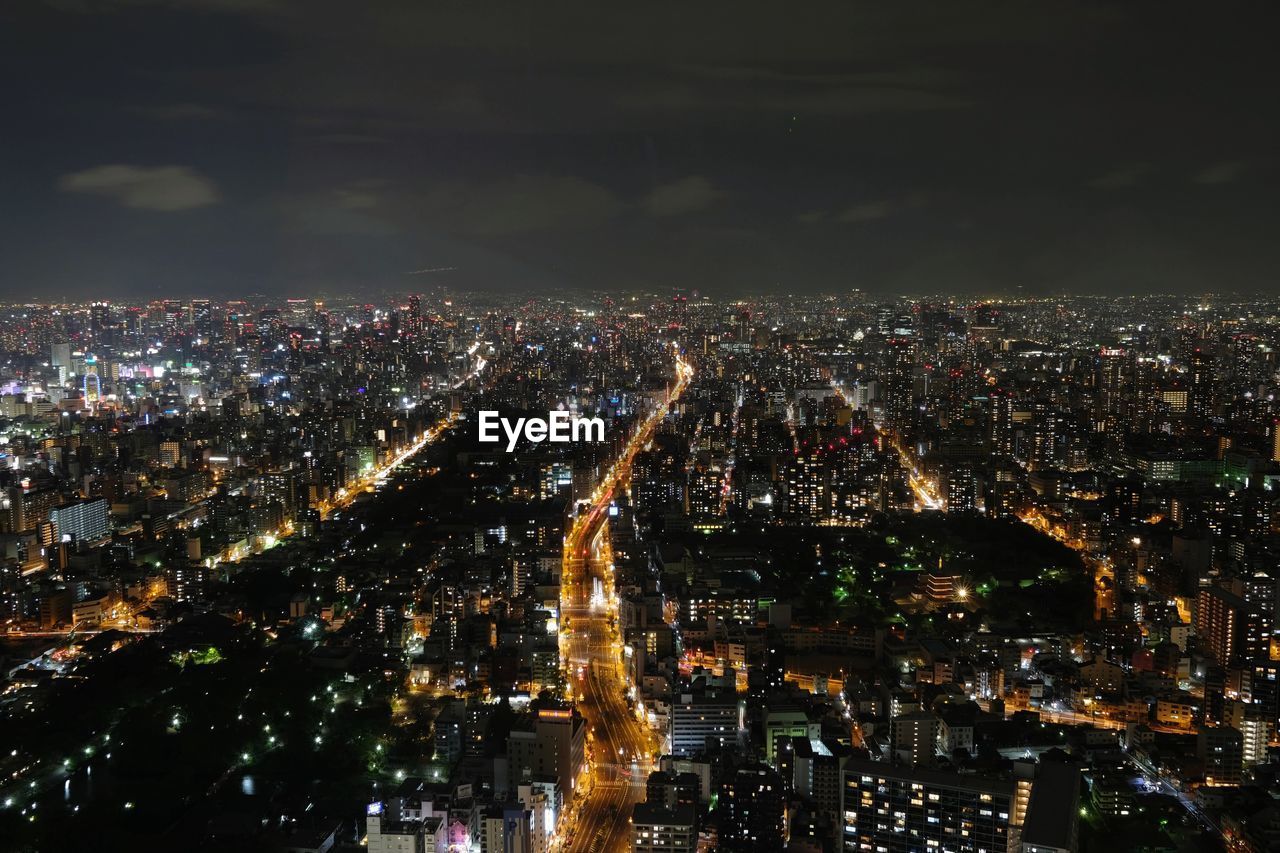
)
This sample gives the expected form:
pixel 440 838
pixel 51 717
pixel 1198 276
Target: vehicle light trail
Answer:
pixel 620 746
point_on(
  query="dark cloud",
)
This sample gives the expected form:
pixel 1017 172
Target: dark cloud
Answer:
pixel 1224 172
pixel 687 195
pixel 160 188
pixel 870 211
pixel 1122 177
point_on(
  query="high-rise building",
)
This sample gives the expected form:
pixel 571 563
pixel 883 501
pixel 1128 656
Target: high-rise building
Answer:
pixel 899 383
pixel 60 360
pixel 1052 823
pixel 1002 429
pixel 805 486
pixel 753 811
pixel 202 320
pixel 915 737
pixel 555 747
pixel 1201 367
pixel 697 718
pixel 83 521
pixel 100 322
pixel 962 491
pixel 899 809
pixel 22 509
pixel 705 490
pixel 1221 751
pixel 1113 392
pixel 1230 627
pixel 657 828
pixel 1253 724
pixel 817 773
pixel 174 317
pixel 413 317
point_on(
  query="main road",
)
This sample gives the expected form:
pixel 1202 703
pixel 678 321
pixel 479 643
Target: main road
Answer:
pixel 620 746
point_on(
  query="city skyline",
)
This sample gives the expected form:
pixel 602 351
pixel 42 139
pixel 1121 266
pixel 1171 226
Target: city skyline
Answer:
pixel 1004 570
pixel 579 427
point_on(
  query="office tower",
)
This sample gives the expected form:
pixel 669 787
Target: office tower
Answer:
pixel 752 809
pixel 782 722
pixel 202 320
pixel 542 800
pixel 188 581
pixel 1262 593
pixel 699 718
pixel 554 747
pixel 298 312
pixel 100 323
pixel 60 359
pixel 1124 500
pixel 173 317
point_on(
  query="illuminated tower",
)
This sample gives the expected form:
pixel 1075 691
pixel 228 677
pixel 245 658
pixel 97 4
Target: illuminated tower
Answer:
pixel 1201 383
pixel 1112 392
pixel 100 321
pixel 202 319
pixel 898 383
pixel 1002 423
pixel 413 320
pixel 92 382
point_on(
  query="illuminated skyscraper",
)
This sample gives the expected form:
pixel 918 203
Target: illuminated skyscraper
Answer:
pixel 202 319
pixel 1002 422
pixel 413 317
pixel 1113 393
pixel 753 810
pixel 1201 383
pixel 899 372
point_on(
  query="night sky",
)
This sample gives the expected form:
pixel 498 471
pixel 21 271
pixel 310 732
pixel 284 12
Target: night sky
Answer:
pixel 198 147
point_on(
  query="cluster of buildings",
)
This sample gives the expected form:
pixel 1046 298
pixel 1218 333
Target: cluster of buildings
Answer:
pixel 911 575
